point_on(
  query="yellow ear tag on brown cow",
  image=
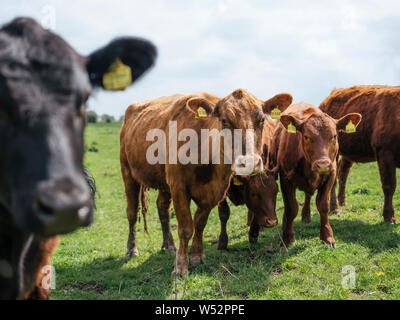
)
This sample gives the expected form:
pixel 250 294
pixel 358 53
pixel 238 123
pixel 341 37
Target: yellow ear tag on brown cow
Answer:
pixel 118 77
pixel 236 182
pixel 350 128
pixel 201 113
pixel 291 128
pixel 276 113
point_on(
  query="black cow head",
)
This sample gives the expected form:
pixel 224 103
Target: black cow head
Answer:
pixel 44 85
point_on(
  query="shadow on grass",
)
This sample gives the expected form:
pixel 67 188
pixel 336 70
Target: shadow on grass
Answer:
pixel 114 278
pixel 377 237
pixel 238 269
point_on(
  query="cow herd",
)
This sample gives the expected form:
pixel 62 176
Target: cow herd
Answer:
pixel 45 191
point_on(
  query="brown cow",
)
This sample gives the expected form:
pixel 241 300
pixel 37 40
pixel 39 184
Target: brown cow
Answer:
pixel 305 148
pixel 257 192
pixel 377 138
pixel 207 183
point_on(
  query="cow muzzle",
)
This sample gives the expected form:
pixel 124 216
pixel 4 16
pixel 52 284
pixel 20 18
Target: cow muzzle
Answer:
pixel 62 206
pixel 245 165
pixel 269 223
pixel 323 166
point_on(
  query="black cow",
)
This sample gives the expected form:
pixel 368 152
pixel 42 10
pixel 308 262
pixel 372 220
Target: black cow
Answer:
pixel 44 85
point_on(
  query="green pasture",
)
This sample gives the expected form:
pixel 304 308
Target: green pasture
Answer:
pixel 91 264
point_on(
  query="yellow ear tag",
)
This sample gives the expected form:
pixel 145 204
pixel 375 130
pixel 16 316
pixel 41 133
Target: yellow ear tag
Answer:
pixel 291 128
pixel 201 113
pixel 276 113
pixel 118 77
pixel 236 182
pixel 350 128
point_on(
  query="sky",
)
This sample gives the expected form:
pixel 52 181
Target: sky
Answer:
pixel 303 47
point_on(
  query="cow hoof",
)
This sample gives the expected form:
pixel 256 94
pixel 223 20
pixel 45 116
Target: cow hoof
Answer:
pixel 253 240
pixel 222 246
pixel 181 268
pixel 335 212
pixel 178 273
pixel 132 253
pixel 306 220
pixel 196 261
pixel 391 220
pixel 171 248
pixel 330 242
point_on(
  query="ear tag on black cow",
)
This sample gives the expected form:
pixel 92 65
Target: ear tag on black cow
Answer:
pixel 291 128
pixel 276 113
pixel 201 113
pixel 118 77
pixel 236 182
pixel 350 128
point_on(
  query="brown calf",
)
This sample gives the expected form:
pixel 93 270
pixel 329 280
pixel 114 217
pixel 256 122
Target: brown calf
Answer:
pixel 376 139
pixel 205 184
pixel 305 148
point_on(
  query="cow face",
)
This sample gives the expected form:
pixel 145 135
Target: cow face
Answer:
pixel 319 138
pixel 243 113
pixel 260 195
pixel 44 85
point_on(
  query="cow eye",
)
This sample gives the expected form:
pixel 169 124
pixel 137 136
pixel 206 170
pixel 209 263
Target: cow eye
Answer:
pixel 224 123
pixel 306 138
pixel 334 137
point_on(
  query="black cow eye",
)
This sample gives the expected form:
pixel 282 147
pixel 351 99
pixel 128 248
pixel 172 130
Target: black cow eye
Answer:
pixel 224 123
pixel 306 138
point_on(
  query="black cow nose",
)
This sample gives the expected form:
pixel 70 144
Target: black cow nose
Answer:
pixel 63 206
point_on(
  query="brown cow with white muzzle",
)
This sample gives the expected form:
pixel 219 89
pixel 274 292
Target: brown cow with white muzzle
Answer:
pixel 257 192
pixel 196 116
pixel 305 148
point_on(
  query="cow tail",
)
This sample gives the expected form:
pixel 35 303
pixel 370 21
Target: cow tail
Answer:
pixel 143 203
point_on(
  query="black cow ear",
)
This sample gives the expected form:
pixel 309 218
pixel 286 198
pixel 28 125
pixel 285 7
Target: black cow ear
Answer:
pixel 120 63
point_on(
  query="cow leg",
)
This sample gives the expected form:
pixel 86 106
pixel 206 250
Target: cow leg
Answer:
pixel 344 170
pixel 132 191
pixel 254 229
pixel 200 221
pixel 185 229
pixel 44 274
pixel 224 213
pixel 306 211
pixel 291 208
pixel 163 206
pixel 387 170
pixel 326 233
pixel 334 204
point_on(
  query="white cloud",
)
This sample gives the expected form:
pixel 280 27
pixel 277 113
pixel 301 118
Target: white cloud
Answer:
pixel 299 46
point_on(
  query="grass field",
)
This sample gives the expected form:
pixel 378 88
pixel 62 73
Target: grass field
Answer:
pixel 91 264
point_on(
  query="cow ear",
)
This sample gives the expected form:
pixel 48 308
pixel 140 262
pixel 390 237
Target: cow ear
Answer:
pixel 287 120
pixel 348 123
pixel 120 63
pixel 200 107
pixel 280 101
